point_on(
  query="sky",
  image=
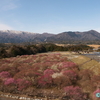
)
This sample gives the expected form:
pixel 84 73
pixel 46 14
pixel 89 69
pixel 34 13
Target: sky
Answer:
pixel 52 16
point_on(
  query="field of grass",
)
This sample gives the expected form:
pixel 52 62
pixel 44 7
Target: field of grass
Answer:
pixel 92 65
pixel 80 59
pixel 94 46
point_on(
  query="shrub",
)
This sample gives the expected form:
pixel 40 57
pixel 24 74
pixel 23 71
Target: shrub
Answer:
pixel 68 66
pixel 85 74
pixel 48 71
pixel 74 93
pixel 61 81
pixel 5 74
pixel 45 80
pixel 70 74
pixel 22 84
pixel 9 81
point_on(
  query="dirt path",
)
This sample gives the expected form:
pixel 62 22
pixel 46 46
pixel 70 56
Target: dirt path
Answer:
pixel 3 98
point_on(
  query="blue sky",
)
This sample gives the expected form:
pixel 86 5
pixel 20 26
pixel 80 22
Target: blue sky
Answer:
pixel 52 16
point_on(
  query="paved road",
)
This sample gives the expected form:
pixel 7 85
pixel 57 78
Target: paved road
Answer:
pixel 95 56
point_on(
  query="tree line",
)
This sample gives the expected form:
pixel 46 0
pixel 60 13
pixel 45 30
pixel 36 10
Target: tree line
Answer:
pixel 15 50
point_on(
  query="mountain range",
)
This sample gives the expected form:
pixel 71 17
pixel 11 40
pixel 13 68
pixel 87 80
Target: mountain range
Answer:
pixel 11 36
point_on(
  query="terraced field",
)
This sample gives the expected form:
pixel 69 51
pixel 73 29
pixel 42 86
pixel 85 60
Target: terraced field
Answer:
pixel 83 61
pixel 80 60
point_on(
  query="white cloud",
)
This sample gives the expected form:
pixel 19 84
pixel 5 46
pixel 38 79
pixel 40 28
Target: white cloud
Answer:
pixel 5 27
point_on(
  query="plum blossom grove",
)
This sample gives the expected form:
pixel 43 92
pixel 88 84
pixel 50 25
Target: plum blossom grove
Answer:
pixel 43 75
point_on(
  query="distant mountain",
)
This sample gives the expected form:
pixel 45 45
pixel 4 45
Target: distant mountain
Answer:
pixel 91 35
pixel 11 36
pixel 65 36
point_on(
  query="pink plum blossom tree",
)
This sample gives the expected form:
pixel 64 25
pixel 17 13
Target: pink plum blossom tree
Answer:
pixel 48 71
pixel 22 84
pixel 45 80
pixel 10 81
pixel 70 74
pixel 5 74
pixel 74 93
pixel 67 65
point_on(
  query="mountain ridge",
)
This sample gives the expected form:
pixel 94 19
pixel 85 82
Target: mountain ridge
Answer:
pixel 12 36
pixel 68 36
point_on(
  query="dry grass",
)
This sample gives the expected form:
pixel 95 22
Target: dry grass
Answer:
pixel 94 46
pixel 80 59
pixel 63 44
pixel 89 64
pixel 92 65
pixel 60 44
pixel 96 69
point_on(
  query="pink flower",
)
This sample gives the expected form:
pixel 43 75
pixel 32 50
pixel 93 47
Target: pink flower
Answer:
pixel 75 93
pixel 48 71
pixel 5 74
pixel 67 65
pixel 9 81
pixel 43 80
pixel 22 84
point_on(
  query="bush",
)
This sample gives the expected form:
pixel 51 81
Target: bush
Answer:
pixel 74 93
pixel 70 74
pixel 5 74
pixel 22 84
pixel 9 81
